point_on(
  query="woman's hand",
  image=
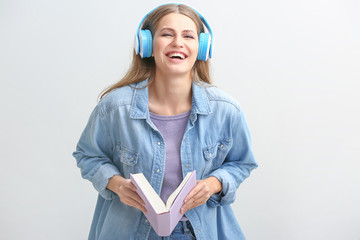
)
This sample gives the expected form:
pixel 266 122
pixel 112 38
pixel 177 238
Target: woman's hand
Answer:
pixel 126 192
pixel 203 190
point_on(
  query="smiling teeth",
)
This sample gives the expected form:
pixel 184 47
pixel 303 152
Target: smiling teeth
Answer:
pixel 177 55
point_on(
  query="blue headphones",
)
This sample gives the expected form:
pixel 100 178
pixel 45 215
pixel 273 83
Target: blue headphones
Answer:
pixel 144 43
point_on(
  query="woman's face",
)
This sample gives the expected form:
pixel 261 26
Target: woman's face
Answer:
pixel 175 45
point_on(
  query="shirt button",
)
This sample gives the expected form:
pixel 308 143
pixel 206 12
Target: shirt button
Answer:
pixel 186 165
pixel 198 230
pixel 158 170
pixel 222 145
pixel 185 139
pixel 210 154
pixel 146 220
pixel 159 143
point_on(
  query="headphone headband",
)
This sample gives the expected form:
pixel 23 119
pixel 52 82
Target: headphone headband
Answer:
pixel 143 38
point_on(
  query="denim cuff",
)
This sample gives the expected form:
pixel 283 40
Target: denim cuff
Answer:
pixel 228 193
pixel 101 179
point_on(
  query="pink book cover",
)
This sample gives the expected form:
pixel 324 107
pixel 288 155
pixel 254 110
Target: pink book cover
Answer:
pixel 164 223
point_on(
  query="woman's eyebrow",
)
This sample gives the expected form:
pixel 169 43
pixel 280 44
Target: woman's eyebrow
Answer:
pixel 189 31
pixel 172 30
pixel 167 29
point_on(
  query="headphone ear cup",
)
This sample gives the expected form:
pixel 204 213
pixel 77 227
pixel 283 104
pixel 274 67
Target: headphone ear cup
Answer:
pixel 204 46
pixel 145 40
pixel 136 44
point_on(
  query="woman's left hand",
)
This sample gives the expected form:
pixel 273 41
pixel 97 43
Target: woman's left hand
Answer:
pixel 203 190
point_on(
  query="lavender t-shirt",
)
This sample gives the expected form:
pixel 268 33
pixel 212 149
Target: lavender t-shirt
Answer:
pixel 172 129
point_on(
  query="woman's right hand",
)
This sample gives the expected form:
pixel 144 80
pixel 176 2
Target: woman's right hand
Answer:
pixel 126 192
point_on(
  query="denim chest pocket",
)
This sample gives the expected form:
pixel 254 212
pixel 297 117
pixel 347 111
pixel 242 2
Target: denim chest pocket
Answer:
pixel 216 153
pixel 126 159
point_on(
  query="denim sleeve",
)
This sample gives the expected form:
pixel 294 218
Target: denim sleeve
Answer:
pixel 237 165
pixel 93 155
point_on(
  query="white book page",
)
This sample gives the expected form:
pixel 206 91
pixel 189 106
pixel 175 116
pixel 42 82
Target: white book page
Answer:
pixel 150 193
pixel 173 196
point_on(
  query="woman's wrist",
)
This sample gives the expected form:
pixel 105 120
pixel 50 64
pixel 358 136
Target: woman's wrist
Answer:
pixel 114 183
pixel 215 185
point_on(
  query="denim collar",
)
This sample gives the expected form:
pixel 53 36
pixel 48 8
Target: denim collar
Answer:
pixel 140 109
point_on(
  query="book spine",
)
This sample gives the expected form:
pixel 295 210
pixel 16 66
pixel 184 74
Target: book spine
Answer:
pixel 163 225
pixel 159 222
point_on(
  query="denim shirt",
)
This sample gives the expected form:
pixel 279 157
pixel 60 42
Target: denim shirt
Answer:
pixel 120 138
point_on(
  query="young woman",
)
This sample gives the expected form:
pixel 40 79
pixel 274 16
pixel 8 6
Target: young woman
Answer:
pixel 165 119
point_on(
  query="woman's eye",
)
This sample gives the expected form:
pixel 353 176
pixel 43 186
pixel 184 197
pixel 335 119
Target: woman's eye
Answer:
pixel 189 36
pixel 166 35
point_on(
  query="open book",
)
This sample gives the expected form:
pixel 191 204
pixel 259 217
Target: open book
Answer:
pixel 163 217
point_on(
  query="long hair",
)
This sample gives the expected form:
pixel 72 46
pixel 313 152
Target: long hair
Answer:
pixel 142 68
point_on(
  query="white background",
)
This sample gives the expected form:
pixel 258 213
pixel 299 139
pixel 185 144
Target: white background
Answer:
pixel 294 66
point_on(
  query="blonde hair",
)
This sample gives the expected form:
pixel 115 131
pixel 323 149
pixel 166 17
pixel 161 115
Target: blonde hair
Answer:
pixel 142 68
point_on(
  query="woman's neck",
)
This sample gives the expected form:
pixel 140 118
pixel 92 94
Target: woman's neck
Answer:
pixel 170 95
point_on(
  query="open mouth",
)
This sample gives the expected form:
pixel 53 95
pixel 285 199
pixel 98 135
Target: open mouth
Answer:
pixel 176 55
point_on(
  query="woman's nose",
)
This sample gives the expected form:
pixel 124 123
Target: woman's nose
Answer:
pixel 178 42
